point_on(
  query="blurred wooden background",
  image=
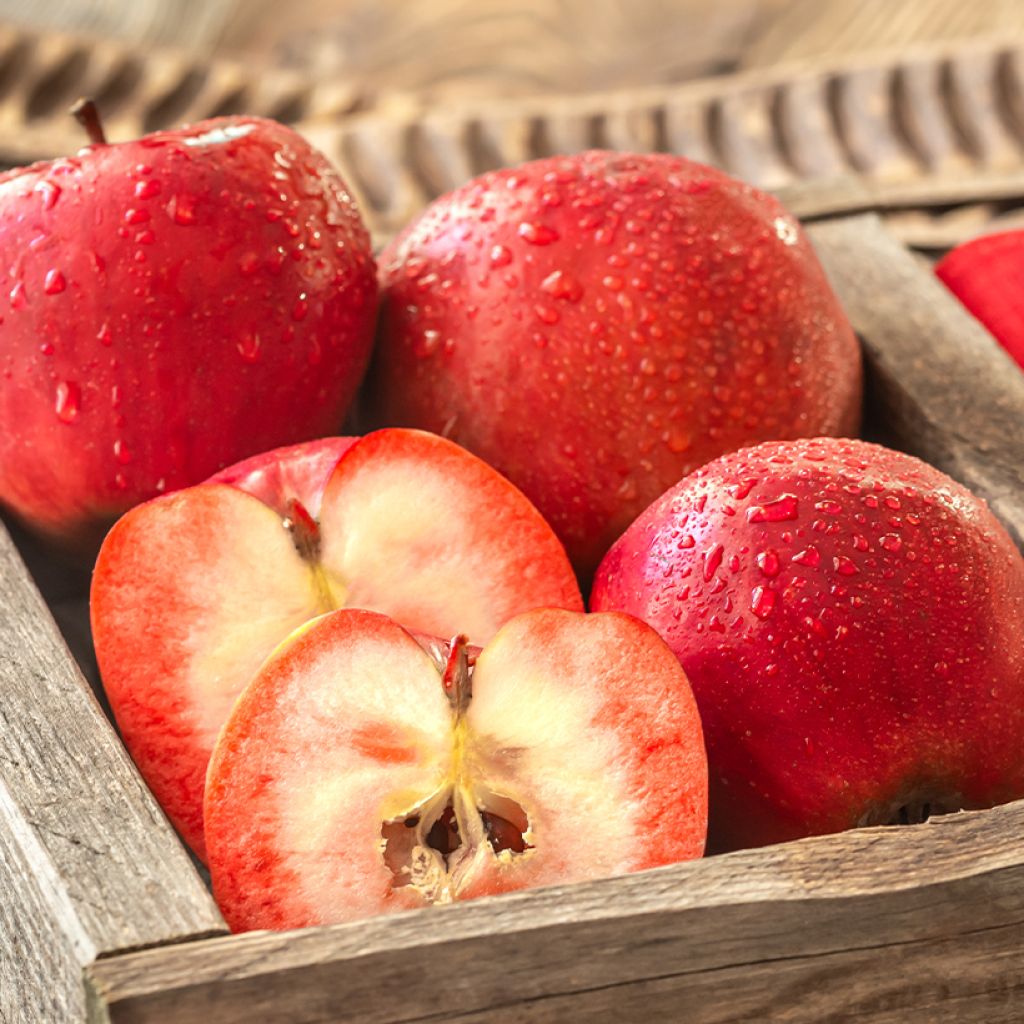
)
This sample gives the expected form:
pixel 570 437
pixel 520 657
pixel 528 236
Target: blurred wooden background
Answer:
pixel 437 49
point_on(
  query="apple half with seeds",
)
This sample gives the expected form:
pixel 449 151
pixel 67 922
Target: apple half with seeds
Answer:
pixel 365 770
pixel 193 590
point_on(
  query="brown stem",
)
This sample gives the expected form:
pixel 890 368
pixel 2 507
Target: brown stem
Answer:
pixel 85 113
pixel 456 676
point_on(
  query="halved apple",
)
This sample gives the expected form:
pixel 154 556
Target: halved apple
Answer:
pixel 193 590
pixel 365 771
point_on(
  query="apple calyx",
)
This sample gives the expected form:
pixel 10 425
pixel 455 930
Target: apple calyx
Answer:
pixel 912 809
pixel 438 845
pixel 85 112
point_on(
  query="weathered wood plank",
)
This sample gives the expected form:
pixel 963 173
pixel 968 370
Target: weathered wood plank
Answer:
pixel 942 387
pixel 910 924
pixel 88 864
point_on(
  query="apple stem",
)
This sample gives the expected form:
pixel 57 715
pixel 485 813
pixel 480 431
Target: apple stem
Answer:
pixel 457 680
pixel 85 113
pixel 304 529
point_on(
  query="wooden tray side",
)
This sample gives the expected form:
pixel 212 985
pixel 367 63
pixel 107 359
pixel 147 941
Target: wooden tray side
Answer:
pixel 916 924
pixel 941 386
pixel 935 124
pixel 88 864
pixel 913 924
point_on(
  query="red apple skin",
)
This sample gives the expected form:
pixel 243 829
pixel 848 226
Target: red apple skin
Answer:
pixel 597 326
pixel 850 620
pixel 987 275
pixel 172 305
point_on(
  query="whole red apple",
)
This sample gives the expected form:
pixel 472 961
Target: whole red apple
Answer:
pixel 850 620
pixel 597 326
pixel 172 305
pixel 358 775
pixel 193 590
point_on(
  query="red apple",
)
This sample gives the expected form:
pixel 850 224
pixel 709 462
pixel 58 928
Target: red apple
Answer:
pixel 172 305
pixel 356 776
pixel 193 590
pixel 987 276
pixel 597 326
pixel 850 620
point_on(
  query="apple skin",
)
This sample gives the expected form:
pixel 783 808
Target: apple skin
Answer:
pixel 850 621
pixel 585 724
pixel 597 326
pixel 172 305
pixel 987 275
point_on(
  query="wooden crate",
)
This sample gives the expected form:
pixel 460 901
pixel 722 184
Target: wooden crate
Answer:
pixel 919 923
pixel 104 916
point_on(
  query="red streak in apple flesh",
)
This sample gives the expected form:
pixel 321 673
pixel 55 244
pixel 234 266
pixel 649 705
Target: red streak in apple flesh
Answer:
pixel 193 590
pixel 172 305
pixel 597 326
pixel 350 781
pixel 850 620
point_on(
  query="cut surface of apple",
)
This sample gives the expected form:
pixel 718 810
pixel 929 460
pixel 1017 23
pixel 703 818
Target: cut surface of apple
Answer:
pixel 194 590
pixel 358 775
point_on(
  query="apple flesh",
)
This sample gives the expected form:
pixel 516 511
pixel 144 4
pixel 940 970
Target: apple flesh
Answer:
pixel 357 775
pixel 172 305
pixel 192 591
pixel 850 620
pixel 597 326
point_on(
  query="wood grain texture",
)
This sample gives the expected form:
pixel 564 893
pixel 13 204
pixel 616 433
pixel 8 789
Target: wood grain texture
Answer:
pixel 88 864
pixel 930 126
pixel 942 388
pixel 912 924
pixel 42 74
pixel 811 29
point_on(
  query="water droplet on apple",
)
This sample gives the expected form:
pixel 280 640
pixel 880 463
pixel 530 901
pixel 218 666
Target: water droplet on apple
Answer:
pixel 148 189
pixel 500 256
pixel 562 286
pixel 891 542
pixel 68 401
pixel 54 282
pixel 762 601
pixel 48 192
pixel 249 347
pixel 781 509
pixel 845 566
pixel 712 560
pixel 546 314
pixel 121 452
pixel 301 308
pixel 768 562
pixel 809 557
pixel 537 234
pixel 19 299
pixel 182 209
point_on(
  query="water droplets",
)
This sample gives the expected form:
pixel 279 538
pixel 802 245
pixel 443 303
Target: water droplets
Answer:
pixel 845 566
pixel 762 601
pixel 562 286
pixel 48 193
pixel 810 556
pixel 122 452
pixel 781 509
pixel 249 347
pixel 68 401
pixel 537 234
pixel 182 209
pixel 18 296
pixel 712 560
pixel 54 283
pixel 891 543
pixel 768 562
pixel 500 256
pixel 148 188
